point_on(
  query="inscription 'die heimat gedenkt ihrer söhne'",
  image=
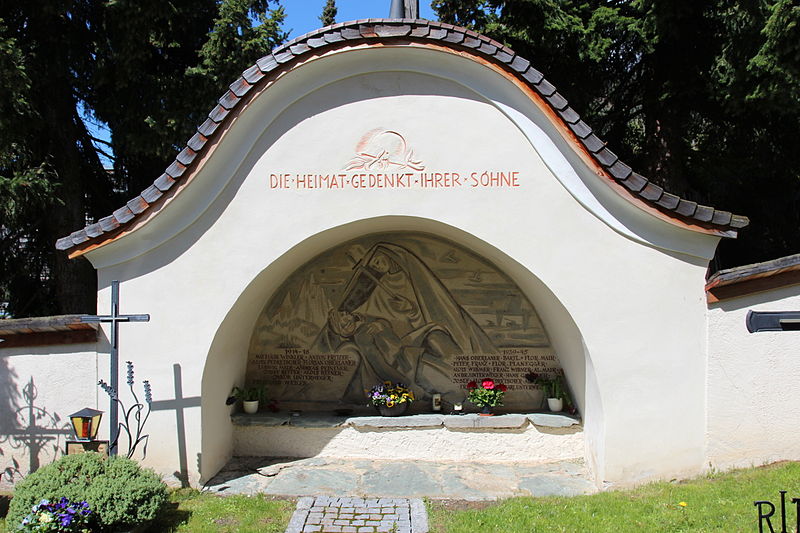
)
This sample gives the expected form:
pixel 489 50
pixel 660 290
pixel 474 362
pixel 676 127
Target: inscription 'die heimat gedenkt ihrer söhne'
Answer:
pixel 383 161
pixel 398 306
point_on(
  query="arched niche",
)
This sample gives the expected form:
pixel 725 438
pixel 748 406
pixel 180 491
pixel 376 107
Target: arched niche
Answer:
pixel 399 306
pixel 227 362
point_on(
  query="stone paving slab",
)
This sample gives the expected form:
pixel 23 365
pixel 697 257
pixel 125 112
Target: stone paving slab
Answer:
pixel 358 515
pixel 322 476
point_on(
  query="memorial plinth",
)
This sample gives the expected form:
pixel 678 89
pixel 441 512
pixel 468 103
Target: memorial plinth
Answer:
pixel 534 437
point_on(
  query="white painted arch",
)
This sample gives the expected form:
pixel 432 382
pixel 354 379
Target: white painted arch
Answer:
pixel 226 361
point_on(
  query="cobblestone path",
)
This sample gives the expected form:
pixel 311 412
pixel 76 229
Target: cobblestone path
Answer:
pixel 359 515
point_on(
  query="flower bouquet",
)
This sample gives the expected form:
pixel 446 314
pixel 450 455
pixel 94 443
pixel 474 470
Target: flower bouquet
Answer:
pixel 63 516
pixel 489 394
pixel 390 399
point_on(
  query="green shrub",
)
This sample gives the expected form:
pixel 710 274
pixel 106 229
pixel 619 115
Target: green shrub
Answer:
pixel 120 493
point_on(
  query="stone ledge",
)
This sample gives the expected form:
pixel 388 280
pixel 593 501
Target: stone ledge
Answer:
pixel 468 421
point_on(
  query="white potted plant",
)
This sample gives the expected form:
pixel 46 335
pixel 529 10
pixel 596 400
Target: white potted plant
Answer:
pixel 554 387
pixel 250 397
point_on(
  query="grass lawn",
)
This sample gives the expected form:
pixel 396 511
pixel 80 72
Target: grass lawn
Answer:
pixel 722 503
pixel 191 511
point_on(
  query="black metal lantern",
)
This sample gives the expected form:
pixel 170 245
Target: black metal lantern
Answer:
pixel 85 423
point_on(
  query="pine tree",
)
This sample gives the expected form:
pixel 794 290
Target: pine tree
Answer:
pixel 148 72
pixel 328 16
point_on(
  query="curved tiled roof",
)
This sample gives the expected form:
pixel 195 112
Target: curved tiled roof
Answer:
pixel 398 31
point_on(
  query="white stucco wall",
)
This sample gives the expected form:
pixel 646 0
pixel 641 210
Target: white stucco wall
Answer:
pixel 50 383
pixel 619 291
pixel 752 381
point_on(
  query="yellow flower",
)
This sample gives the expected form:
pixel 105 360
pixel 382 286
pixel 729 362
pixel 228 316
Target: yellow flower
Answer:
pixel 389 403
pixel 683 504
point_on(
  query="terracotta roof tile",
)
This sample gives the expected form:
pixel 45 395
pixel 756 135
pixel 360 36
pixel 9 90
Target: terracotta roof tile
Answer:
pixel 207 128
pixel 299 48
pixel 123 215
pixel 606 157
pixel 164 182
pixel 651 192
pixel 218 114
pixel 545 88
pixel 557 101
pixel 703 213
pixel 151 194
pixel 253 74
pixel 240 87
pixel 283 57
pixel 137 205
pixel 93 230
pixel 109 223
pixel 593 143
pixel 722 218
pixel 368 30
pixel 176 170
pixel 569 115
pixel 581 129
pixel 504 55
pixel 228 100
pixel 79 237
pixel 319 42
pixel 392 30
pixel 267 63
pixel 346 33
pixel 186 156
pixel 686 208
pixel 520 64
pixel 421 31
pixel 197 142
pixel 635 182
pixel 454 37
pixel 619 170
pixel 668 200
pixel 487 48
pixel 471 42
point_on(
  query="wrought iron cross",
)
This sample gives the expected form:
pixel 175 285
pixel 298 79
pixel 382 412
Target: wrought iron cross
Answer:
pixel 114 319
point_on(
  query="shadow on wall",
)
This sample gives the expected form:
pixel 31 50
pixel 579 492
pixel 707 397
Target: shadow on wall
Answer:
pixel 28 432
pixel 178 404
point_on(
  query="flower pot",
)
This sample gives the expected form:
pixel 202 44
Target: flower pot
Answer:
pixel 486 410
pixel 555 404
pixel 250 407
pixel 396 410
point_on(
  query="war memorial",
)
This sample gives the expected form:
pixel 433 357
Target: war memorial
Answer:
pixel 408 201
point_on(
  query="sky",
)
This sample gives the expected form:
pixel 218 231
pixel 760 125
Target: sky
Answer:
pixel 302 16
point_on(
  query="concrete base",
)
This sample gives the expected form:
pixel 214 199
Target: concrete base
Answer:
pixel 506 438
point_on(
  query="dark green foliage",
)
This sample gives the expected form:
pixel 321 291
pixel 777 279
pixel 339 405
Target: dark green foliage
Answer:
pixel 329 12
pixel 701 97
pixel 120 493
pixel 150 71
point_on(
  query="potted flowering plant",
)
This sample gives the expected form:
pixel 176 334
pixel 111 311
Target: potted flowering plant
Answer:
pixel 250 397
pixel 62 516
pixel 486 396
pixel 390 399
pixel 553 385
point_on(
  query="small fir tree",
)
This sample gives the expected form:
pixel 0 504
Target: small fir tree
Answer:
pixel 328 16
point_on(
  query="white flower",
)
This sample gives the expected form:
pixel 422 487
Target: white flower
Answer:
pixel 45 518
